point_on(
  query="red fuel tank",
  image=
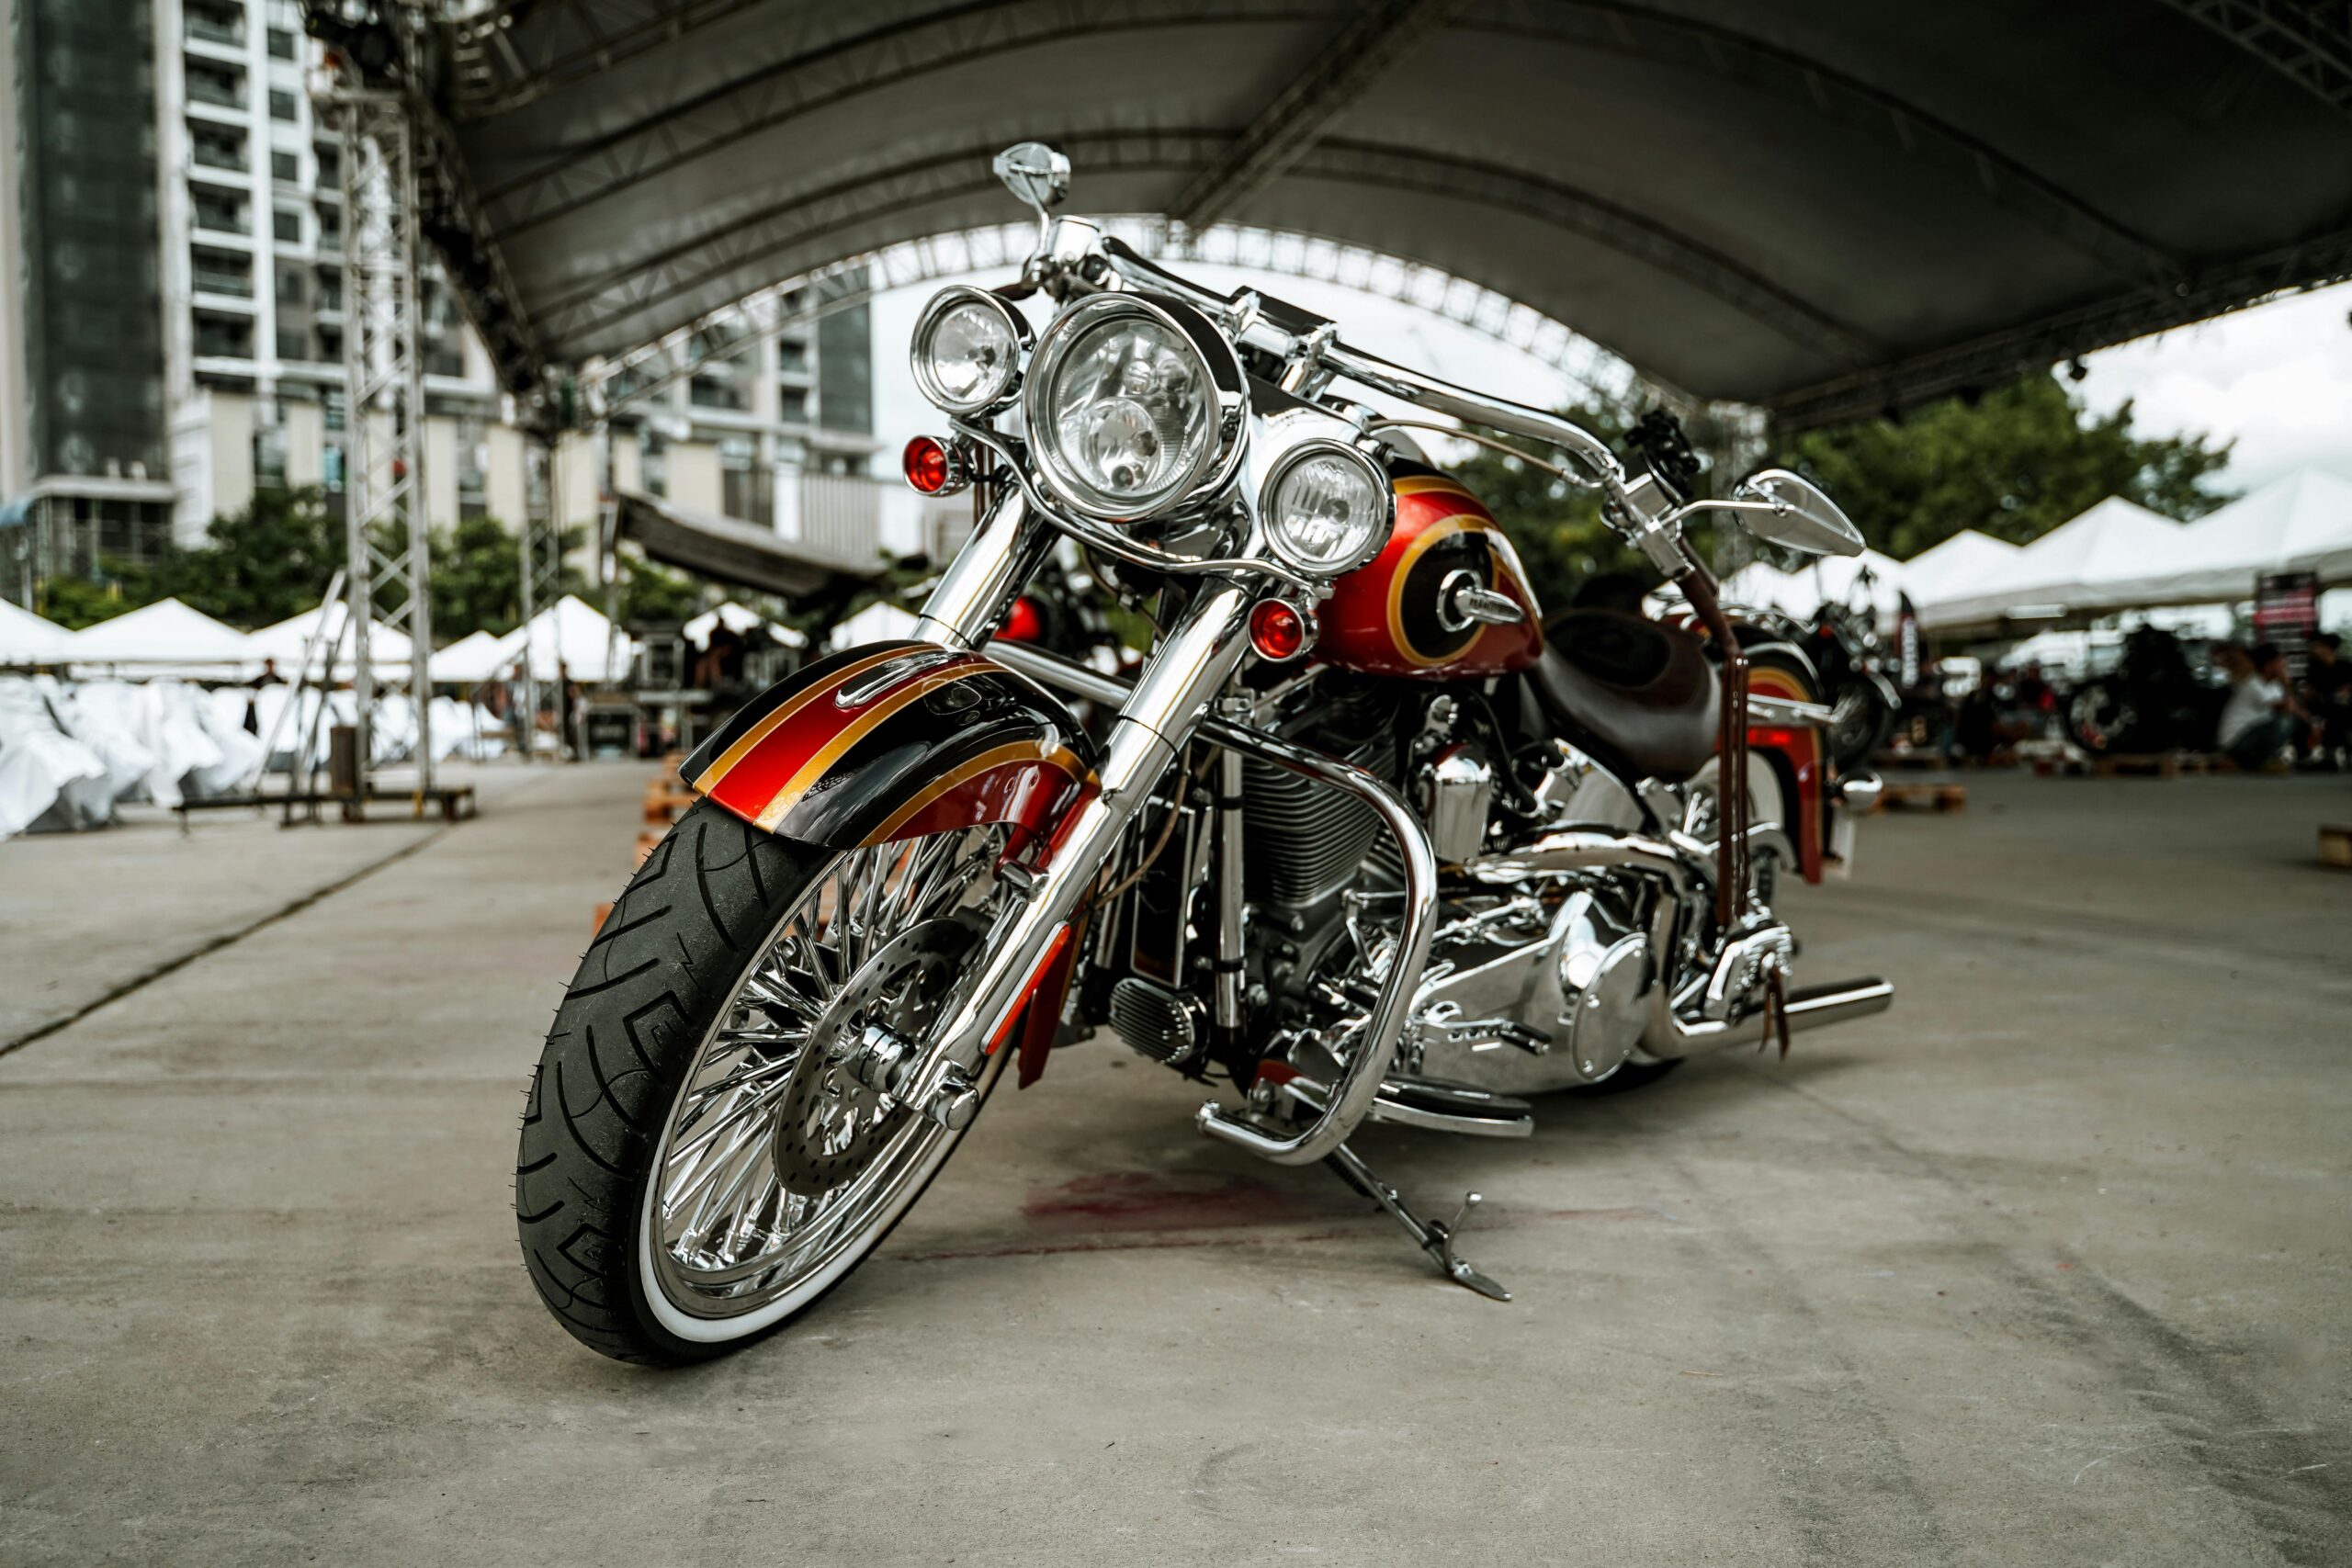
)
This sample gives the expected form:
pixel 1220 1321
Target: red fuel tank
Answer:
pixel 1387 617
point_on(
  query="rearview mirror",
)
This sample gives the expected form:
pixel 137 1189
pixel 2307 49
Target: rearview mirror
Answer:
pixel 1796 514
pixel 1035 174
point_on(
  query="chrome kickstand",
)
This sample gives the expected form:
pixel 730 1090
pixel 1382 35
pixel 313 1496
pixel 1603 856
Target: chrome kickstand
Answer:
pixel 1434 1236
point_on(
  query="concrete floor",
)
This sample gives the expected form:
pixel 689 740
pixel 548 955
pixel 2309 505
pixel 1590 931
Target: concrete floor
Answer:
pixel 2047 1265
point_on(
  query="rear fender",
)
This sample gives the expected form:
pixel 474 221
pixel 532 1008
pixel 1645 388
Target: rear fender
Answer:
pixel 895 741
pixel 1802 757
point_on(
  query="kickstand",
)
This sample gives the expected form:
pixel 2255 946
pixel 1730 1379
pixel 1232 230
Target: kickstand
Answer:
pixel 1434 1236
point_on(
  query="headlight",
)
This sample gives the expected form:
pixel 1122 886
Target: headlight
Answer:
pixel 1326 508
pixel 1127 411
pixel 966 351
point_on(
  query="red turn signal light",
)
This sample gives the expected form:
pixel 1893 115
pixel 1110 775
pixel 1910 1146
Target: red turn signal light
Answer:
pixel 932 466
pixel 1278 630
pixel 1022 623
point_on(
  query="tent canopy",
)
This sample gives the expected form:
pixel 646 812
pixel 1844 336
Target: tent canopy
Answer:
pixel 741 554
pixel 283 642
pixel 1951 568
pixel 740 620
pixel 473 657
pixel 26 638
pixel 571 639
pixel 2051 576
pixel 2300 523
pixel 166 633
pixel 1823 209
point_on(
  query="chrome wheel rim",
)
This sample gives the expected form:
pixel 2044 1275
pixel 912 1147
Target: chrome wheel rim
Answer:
pixel 724 1237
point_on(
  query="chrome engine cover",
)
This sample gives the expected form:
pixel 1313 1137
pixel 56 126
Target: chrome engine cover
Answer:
pixel 1538 992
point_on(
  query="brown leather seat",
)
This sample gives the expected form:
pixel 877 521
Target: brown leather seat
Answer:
pixel 1634 693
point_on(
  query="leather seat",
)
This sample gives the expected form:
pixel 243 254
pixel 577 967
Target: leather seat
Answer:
pixel 1634 693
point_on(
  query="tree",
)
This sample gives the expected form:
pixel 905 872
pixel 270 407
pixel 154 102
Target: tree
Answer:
pixel 2014 464
pixel 254 567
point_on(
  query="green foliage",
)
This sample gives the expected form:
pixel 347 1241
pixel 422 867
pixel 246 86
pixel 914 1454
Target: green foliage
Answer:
pixel 478 578
pixel 255 567
pixel 2014 464
pixel 1556 527
pixel 77 602
pixel 651 593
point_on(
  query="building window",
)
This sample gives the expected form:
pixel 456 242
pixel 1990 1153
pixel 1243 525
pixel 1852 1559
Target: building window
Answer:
pixel 281 105
pixel 281 45
pixel 287 166
pixel 223 214
pixel 293 343
pixel 286 223
pixel 221 86
pixel 217 147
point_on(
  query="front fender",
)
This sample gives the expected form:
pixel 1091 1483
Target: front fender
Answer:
pixel 1802 757
pixel 893 740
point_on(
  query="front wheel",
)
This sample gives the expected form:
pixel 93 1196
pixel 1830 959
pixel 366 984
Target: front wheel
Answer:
pixel 694 1171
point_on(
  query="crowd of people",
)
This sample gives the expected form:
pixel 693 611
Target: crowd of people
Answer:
pixel 2270 718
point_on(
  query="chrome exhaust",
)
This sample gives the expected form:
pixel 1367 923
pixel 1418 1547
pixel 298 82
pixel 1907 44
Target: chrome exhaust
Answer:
pixel 1809 1007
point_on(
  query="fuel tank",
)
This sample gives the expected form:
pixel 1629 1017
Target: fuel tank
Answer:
pixel 1390 617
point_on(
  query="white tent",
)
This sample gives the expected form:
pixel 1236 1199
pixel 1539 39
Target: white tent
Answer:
pixel 2056 574
pixel 26 638
pixel 739 619
pixel 388 648
pixel 471 660
pixel 2300 523
pixel 1836 579
pixel 167 634
pixel 572 634
pixel 877 622
pixel 1949 569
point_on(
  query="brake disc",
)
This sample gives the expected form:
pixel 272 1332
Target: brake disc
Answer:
pixel 829 1126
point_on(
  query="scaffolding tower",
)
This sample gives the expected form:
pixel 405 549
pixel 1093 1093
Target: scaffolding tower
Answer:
pixel 386 541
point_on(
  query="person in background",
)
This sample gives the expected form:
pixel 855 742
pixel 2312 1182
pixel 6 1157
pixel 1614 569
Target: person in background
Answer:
pixel 2259 720
pixel 2328 693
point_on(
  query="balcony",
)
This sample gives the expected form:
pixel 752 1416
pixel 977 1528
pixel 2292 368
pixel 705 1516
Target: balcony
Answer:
pixel 221 89
pixel 219 153
pixel 220 218
pixel 223 283
pixel 207 26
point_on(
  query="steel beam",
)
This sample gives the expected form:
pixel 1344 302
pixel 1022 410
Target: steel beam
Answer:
pixel 500 66
pixel 389 562
pixel 2307 41
pixel 1988 361
pixel 1372 41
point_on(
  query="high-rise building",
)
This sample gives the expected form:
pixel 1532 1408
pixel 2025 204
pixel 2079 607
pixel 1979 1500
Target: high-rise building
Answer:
pixel 170 326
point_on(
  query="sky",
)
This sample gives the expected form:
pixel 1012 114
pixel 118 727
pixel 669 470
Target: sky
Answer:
pixel 2277 378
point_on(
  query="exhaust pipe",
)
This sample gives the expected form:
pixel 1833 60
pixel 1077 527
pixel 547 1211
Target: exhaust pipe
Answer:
pixel 1810 1007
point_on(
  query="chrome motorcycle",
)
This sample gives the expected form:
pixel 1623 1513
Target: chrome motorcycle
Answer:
pixel 1364 837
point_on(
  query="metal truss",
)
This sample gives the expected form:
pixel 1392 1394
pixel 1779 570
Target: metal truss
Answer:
pixel 2307 41
pixel 1365 48
pixel 389 562
pixel 540 558
pixel 492 75
pixel 620 386
pixel 1990 360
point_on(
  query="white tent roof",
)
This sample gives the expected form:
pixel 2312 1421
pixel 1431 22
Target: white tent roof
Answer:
pixel 1833 578
pixel 473 657
pixel 166 632
pixel 26 638
pixel 739 619
pixel 2056 572
pixel 877 622
pixel 573 635
pixel 2300 523
pixel 1947 569
pixel 282 641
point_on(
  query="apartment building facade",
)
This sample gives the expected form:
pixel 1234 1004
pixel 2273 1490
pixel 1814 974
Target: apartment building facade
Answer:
pixel 171 339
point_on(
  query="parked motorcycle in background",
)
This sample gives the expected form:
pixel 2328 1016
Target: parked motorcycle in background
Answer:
pixel 1364 837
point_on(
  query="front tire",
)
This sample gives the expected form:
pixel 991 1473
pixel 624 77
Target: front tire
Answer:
pixel 672 1053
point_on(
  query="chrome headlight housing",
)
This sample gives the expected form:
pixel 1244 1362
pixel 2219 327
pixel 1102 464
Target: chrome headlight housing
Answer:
pixel 967 348
pixel 1134 405
pixel 1326 507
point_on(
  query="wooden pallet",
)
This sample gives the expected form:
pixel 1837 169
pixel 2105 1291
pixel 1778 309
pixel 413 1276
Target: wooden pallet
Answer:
pixel 1923 797
pixel 1903 761
pixel 665 802
pixel 2160 764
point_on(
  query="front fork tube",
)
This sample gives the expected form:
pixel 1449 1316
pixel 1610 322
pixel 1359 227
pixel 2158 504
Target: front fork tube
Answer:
pixel 970 599
pixel 1226 1001
pixel 1184 674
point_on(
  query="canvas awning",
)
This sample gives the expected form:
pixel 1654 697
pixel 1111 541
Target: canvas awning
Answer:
pixel 742 555
pixel 2057 574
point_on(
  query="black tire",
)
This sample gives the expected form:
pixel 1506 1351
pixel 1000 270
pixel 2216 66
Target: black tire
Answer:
pixel 668 957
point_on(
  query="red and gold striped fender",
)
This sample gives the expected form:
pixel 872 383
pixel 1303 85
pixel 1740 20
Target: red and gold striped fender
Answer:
pixel 896 740
pixel 1801 751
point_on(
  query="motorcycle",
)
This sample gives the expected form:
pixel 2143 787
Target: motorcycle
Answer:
pixel 2153 700
pixel 1364 837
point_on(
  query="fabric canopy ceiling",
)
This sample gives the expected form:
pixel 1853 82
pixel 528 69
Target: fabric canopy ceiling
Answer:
pixel 1824 206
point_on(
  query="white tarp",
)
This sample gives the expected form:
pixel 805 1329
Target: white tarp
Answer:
pixel 2055 574
pixel 166 634
pixel 2300 523
pixel 47 777
pixel 26 638
pixel 572 634
pixel 387 649
pixel 195 747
